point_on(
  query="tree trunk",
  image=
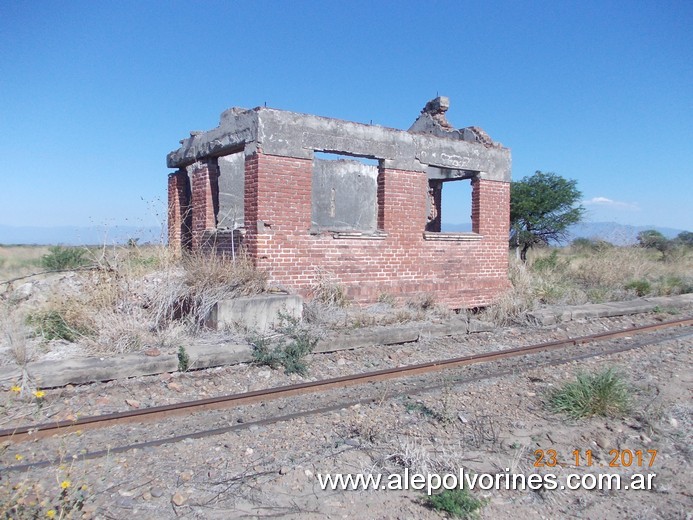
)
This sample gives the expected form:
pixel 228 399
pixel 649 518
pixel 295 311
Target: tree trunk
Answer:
pixel 523 253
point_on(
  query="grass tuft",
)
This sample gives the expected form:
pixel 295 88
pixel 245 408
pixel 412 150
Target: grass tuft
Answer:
pixel 459 503
pixel 604 393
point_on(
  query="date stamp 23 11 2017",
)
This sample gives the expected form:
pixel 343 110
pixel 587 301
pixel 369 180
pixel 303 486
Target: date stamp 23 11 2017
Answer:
pixel 618 458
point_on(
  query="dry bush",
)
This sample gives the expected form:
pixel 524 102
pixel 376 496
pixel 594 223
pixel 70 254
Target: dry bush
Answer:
pixel 424 302
pixel 513 305
pixel 327 289
pixel 14 335
pixel 578 275
pixel 610 268
pixel 424 457
pixel 139 297
pixel 203 279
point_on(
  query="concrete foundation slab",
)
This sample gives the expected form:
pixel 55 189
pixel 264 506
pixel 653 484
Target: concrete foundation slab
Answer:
pixel 258 313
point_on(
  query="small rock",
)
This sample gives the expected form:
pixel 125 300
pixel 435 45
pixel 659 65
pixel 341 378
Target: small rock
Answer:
pixel 341 362
pixel 179 499
pixel 23 291
pixel 249 451
pixel 175 386
pixel 125 503
pixel 156 492
pixel 186 476
pixel 308 473
pixel 147 495
pixel 152 352
pixel 283 470
pixel 88 511
pixel 264 373
pixel 462 418
pixel 674 423
pixel 132 403
pixel 352 442
pixel 602 442
pixel 645 439
pixel 165 377
pixel 126 493
pixel 531 394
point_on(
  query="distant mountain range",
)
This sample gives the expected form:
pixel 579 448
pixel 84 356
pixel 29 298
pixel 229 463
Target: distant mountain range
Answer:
pixel 618 234
pixel 77 236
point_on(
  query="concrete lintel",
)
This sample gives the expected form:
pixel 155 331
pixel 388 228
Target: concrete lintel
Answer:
pixel 449 174
pixel 237 128
pixel 494 163
pixel 297 135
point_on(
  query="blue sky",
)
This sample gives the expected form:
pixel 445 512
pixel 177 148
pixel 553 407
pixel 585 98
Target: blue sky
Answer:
pixel 93 95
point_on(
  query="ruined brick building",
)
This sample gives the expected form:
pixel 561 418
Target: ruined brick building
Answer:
pixel 264 180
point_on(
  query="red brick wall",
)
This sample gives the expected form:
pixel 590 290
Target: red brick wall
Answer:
pixel 205 190
pixel 178 210
pixel 278 220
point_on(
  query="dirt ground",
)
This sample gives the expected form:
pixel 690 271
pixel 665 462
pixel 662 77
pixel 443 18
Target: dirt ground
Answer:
pixel 490 427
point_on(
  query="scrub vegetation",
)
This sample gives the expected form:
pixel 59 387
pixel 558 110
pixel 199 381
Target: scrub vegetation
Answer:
pixel 592 271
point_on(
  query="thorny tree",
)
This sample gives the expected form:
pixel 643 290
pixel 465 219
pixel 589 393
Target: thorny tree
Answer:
pixel 542 207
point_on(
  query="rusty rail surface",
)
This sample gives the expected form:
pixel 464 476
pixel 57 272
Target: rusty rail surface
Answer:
pixel 22 433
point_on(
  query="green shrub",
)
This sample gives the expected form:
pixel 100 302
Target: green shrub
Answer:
pixel 287 350
pixel 666 310
pixel 591 245
pixel 546 263
pixel 459 503
pixel 54 324
pixel 641 287
pixel 604 393
pixel 61 258
pixel 675 285
pixel 386 298
pixel 183 359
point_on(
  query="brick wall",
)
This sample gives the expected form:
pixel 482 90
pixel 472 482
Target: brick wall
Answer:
pixel 178 210
pixel 403 264
pixel 205 196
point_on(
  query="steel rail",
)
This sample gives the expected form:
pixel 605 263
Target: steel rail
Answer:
pixel 32 432
pixel 418 390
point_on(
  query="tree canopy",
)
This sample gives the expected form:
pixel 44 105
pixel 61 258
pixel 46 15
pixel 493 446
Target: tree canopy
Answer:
pixel 653 239
pixel 542 207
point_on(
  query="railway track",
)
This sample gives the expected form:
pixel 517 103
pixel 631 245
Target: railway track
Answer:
pixel 263 396
pixel 33 432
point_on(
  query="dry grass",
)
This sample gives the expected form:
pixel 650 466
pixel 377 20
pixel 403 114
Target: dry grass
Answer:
pixel 513 305
pixel 574 276
pixel 132 299
pixel 327 290
pixel 191 291
pixel 18 261
pixel 15 334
